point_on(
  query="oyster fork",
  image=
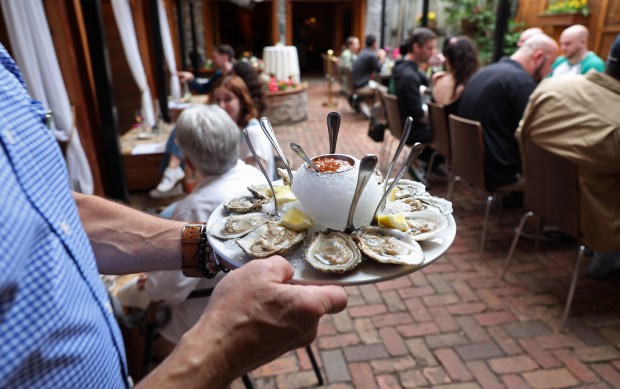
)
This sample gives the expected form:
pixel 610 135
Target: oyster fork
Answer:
pixel 262 169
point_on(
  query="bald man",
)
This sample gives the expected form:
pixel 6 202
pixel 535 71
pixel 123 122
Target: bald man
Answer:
pixel 576 58
pixel 496 96
pixel 528 33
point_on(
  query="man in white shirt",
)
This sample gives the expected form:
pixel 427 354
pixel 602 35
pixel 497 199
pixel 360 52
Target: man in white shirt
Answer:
pixel 209 140
pixel 576 58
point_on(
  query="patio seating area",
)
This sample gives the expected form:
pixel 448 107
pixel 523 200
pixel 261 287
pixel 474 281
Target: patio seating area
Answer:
pixel 456 324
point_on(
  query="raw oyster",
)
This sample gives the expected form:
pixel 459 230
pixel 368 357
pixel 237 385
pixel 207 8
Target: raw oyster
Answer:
pixel 386 245
pixel 444 206
pixel 261 191
pixel 236 226
pixel 333 252
pixel 408 188
pixel 269 239
pixel 425 224
pixel 243 204
pixel 412 204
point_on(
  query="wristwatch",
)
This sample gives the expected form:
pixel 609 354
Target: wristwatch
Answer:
pixel 191 236
pixel 196 252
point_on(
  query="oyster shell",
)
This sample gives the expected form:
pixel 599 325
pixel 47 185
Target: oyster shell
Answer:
pixel 283 174
pixel 419 203
pixel 412 204
pixel 269 239
pixel 386 245
pixel 444 206
pixel 236 226
pixel 426 224
pixel 407 188
pixel 333 252
pixel 379 176
pixel 244 204
pixel 261 191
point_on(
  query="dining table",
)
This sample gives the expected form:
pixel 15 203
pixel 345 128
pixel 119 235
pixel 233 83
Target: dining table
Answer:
pixel 282 61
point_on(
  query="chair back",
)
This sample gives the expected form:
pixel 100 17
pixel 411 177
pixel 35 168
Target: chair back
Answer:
pixel 392 115
pixel 439 125
pixel 467 150
pixel 551 188
pixel 348 72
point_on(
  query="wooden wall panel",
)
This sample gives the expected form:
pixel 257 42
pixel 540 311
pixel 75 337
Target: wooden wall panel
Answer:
pixel 126 92
pixel 65 23
pixel 140 10
pixel 530 10
pixel 608 25
pixel 171 12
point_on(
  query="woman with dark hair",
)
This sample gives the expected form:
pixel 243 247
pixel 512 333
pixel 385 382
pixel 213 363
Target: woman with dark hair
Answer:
pixel 233 96
pixel 249 74
pixel 461 63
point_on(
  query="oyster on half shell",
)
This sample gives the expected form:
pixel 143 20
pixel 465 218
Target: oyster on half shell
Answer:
pixel 269 239
pixel 236 226
pixel 442 205
pixel 412 204
pixel 333 252
pixel 386 245
pixel 244 204
pixel 407 188
pixel 425 224
pixel 261 191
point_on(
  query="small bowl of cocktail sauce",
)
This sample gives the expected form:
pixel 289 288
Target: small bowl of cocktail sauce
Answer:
pixel 332 163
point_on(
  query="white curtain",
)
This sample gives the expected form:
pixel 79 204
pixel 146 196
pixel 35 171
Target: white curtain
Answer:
pixel 34 53
pixel 166 40
pixel 124 21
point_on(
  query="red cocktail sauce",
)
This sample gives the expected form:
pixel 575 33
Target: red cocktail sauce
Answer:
pixel 332 165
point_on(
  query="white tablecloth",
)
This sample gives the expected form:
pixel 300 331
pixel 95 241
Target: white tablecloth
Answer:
pixel 282 61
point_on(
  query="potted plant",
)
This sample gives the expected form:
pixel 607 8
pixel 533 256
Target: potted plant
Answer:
pixel 565 13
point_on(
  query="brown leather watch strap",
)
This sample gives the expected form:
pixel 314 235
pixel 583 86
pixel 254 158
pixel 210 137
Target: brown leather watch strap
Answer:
pixel 190 248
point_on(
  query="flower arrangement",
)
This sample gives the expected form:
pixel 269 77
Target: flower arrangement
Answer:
pixel 568 7
pixel 278 85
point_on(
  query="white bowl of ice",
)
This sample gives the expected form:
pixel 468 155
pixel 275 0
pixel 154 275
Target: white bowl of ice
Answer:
pixel 326 196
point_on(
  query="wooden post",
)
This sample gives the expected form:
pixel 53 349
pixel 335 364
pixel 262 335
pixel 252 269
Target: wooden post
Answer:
pixel 330 80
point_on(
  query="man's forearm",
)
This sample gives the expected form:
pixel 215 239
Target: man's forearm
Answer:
pixel 128 241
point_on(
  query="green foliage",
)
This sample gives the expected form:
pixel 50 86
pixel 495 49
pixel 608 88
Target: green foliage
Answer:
pixel 512 36
pixel 476 18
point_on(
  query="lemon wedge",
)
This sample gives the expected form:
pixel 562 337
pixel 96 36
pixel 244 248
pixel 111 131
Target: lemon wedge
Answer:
pixel 392 196
pixel 284 195
pixel 396 221
pixel 282 188
pixel 296 220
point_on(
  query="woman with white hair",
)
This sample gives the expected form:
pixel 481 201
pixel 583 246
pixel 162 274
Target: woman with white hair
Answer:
pixel 209 139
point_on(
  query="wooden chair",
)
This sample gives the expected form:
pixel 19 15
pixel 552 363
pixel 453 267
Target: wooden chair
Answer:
pixel 441 137
pixel 349 89
pixel 552 195
pixel 467 154
pixel 392 115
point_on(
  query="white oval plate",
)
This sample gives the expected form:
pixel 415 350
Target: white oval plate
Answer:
pixel 367 272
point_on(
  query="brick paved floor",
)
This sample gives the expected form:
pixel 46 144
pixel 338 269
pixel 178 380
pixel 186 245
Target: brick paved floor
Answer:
pixel 455 324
